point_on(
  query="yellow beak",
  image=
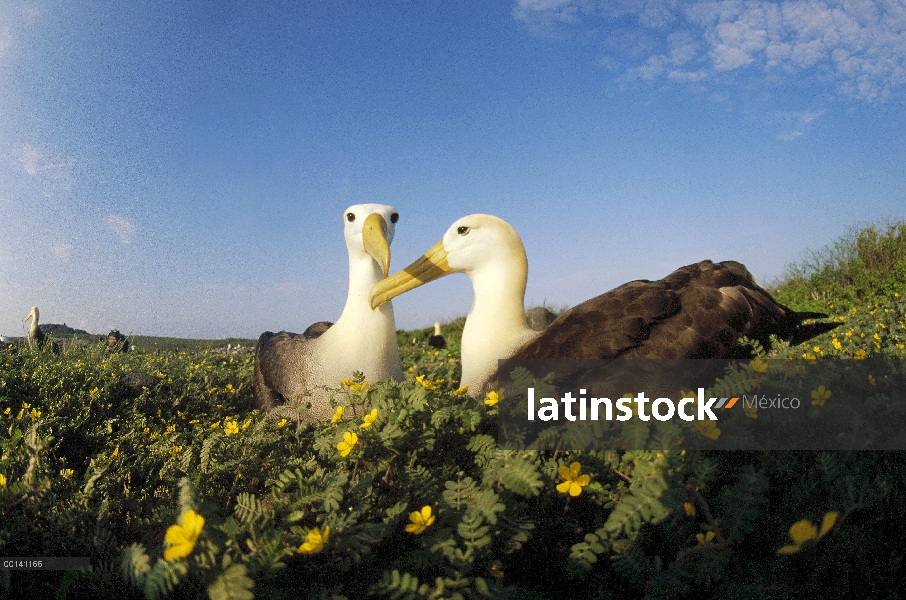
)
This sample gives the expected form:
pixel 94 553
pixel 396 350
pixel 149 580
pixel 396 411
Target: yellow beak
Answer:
pixel 432 265
pixel 374 240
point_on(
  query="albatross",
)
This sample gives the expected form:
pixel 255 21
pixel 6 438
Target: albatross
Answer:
pixel 437 340
pixel 36 337
pixel 698 311
pixel 362 339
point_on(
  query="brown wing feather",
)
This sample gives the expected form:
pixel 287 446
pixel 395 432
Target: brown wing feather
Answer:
pixel 279 362
pixel 698 311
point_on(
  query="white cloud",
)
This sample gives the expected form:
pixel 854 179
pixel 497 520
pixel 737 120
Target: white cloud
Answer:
pixel 794 122
pixel 122 227
pixel 788 137
pixel 861 44
pixel 549 10
pixel 6 40
pixel 14 17
pixel 29 158
pixel 50 176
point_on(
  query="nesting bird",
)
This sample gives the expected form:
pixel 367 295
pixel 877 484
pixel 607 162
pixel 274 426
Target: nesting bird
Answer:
pixel 698 311
pixel 287 365
pixel 36 338
pixel 437 340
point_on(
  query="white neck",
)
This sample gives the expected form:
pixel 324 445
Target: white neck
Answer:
pixel 362 339
pixel 495 327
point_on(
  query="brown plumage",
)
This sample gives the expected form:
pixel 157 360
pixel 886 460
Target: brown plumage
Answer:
pixel 698 311
pixel 273 352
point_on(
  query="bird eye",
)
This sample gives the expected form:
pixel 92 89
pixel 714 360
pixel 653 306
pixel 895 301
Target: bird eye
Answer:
pixel 462 230
pixel 394 217
pixel 350 217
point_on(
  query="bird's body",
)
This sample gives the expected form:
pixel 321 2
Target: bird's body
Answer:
pixel 698 311
pixel 437 340
pixel 287 365
pixel 36 338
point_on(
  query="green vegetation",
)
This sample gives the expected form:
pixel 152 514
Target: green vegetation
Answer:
pixel 866 265
pixel 154 464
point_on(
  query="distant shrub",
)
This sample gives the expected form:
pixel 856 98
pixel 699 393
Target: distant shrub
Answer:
pixel 867 264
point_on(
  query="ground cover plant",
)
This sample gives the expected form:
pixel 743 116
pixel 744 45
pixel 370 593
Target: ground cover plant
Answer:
pixel 154 464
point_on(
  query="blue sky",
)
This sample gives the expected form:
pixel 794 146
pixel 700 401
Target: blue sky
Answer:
pixel 181 168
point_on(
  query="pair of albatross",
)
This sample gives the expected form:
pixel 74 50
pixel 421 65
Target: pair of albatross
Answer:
pixel 698 311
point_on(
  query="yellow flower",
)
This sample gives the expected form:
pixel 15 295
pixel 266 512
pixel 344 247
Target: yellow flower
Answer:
pixel 460 391
pixel 808 357
pixel 820 396
pixel 230 427
pixel 175 450
pixel 817 349
pixel 704 538
pixel 170 429
pixel 860 354
pixel 281 423
pixel 804 531
pixel 346 382
pixel 369 419
pixel 357 387
pixel 759 366
pixel 836 343
pixel 871 379
pixel 492 398
pixel 427 384
pixel 314 541
pixel 2 480
pixel 708 429
pixel 689 508
pixel 246 424
pixel 215 425
pixel 66 473
pixel 182 537
pixel 337 415
pixel 421 520
pixel 574 482
pixel 348 443
pixel 35 414
pixel 6 412
pixel 115 452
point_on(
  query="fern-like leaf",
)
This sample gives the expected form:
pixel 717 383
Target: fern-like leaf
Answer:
pixel 232 584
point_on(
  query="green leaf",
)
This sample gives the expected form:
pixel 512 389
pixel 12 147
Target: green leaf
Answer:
pixel 232 584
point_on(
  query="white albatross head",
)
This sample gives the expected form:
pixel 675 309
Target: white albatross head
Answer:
pixel 490 252
pixel 484 247
pixel 369 229
pixel 33 313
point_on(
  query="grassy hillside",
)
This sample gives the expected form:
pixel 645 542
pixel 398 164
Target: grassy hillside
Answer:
pixel 867 265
